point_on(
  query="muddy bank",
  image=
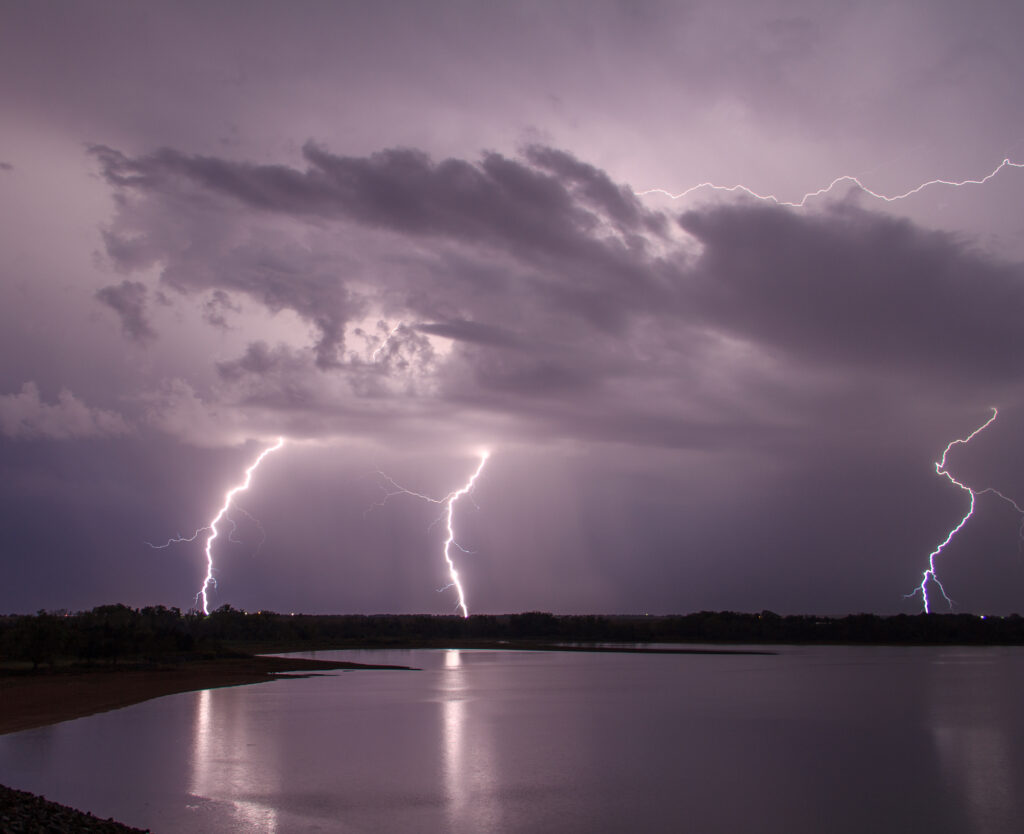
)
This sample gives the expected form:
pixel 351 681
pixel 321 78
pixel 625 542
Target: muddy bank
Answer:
pixel 38 699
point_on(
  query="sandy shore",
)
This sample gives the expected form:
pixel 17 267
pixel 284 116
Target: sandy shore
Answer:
pixel 35 700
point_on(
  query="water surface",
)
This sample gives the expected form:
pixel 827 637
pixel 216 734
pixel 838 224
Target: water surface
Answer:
pixel 822 739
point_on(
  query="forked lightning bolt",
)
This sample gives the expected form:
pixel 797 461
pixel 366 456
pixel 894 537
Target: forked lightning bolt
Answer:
pixel 449 503
pixel 889 198
pixel 930 574
pixel 229 496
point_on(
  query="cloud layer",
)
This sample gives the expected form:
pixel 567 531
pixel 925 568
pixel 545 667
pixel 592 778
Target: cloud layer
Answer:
pixel 25 416
pixel 397 234
pixel 565 302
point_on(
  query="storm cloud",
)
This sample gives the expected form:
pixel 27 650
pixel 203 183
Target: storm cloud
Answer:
pixel 128 300
pixel 398 235
pixel 26 415
pixel 565 300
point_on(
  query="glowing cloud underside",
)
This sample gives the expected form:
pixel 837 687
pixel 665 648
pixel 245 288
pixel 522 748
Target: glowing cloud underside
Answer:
pixel 449 503
pixel 889 198
pixel 930 575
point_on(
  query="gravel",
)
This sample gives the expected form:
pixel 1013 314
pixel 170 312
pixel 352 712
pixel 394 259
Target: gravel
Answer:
pixel 26 813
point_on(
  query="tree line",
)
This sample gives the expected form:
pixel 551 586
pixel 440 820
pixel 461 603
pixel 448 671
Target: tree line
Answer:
pixel 116 633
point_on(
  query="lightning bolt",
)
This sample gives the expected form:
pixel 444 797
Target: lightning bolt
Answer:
pixel 212 526
pixel 930 574
pixel 455 496
pixel 384 344
pixel 449 502
pixel 229 496
pixel 847 178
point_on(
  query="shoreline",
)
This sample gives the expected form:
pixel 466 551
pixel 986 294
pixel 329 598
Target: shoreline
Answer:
pixel 38 699
pixel 32 700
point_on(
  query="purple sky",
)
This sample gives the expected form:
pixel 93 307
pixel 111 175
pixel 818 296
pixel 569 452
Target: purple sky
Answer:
pixel 214 215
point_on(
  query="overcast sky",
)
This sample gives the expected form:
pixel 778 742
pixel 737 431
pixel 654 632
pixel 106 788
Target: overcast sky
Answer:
pixel 397 234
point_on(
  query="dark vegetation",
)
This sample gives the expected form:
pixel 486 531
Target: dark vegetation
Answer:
pixel 25 812
pixel 117 634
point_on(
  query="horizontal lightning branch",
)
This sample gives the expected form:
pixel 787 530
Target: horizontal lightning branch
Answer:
pixel 854 181
pixel 178 540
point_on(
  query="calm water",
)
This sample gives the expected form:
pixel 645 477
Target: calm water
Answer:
pixel 845 739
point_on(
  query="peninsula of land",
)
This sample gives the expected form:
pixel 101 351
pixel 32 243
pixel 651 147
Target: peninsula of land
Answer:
pixel 35 699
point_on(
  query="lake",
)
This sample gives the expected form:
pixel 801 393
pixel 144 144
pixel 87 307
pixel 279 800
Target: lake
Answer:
pixel 813 739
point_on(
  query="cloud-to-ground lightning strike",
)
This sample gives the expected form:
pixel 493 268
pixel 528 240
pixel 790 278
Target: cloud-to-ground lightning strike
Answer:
pixel 449 502
pixel 847 178
pixel 448 542
pixel 229 496
pixel 930 574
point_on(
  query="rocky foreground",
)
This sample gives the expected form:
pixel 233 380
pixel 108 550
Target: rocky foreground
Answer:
pixel 26 813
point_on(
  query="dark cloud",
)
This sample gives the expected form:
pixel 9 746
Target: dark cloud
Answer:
pixel 277 378
pixel 537 378
pixel 26 415
pixel 128 300
pixel 855 288
pixel 203 245
pixel 576 242
pixel 258 359
pixel 501 203
pixel 736 409
pixel 565 300
pixel 472 331
pixel 596 188
pixel 6 166
pixel 216 308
